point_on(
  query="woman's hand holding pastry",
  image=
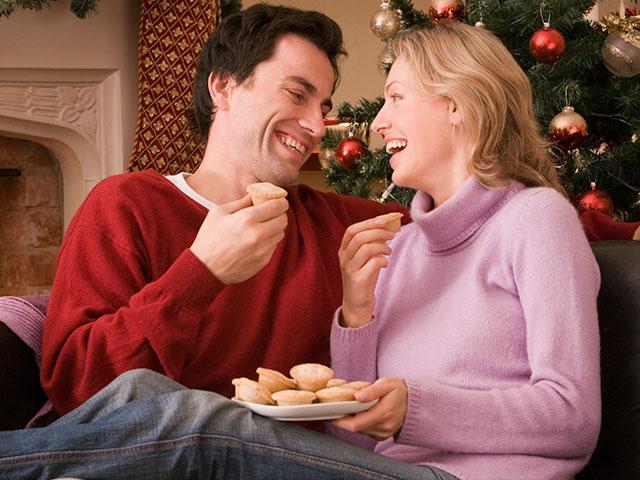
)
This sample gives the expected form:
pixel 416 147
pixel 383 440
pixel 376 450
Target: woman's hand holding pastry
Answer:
pixel 362 255
pixel 236 240
pixel 386 417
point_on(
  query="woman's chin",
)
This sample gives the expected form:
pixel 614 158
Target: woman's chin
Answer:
pixel 398 180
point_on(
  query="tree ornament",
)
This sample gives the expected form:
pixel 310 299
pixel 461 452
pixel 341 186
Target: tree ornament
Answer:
pixel 621 54
pixel 446 9
pixel 386 22
pixel 568 128
pixel 547 44
pixel 385 60
pixel 597 200
pixel 349 150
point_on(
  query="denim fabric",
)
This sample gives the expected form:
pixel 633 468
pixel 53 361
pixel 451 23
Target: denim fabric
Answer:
pixel 145 426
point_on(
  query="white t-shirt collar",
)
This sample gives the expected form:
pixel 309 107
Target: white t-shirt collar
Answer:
pixel 180 181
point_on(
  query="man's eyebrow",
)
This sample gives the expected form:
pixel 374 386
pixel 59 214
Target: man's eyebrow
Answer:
pixel 309 87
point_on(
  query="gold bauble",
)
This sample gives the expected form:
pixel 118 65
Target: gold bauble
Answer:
pixel 385 59
pixel 621 57
pixel 386 22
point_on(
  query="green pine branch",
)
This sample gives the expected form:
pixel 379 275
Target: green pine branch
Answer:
pixel 608 103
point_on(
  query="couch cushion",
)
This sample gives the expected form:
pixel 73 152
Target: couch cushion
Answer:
pixel 617 454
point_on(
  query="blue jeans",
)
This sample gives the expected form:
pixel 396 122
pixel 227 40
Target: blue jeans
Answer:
pixel 146 426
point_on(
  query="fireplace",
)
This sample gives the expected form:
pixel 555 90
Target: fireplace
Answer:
pixel 60 134
pixel 30 217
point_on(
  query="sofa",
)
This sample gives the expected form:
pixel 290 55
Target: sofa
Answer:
pixel 617 455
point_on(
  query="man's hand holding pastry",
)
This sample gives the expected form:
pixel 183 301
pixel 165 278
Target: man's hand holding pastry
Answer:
pixel 236 240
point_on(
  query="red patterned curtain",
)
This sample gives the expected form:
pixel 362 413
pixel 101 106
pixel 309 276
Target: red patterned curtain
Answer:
pixel 170 37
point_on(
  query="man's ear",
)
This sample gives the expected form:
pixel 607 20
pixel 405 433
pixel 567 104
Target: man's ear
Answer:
pixel 220 90
pixel 455 116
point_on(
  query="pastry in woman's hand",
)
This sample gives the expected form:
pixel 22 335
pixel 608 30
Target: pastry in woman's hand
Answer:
pixel 392 221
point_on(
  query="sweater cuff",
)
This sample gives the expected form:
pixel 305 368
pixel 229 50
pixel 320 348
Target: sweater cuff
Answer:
pixel 366 333
pixel 411 429
pixel 352 349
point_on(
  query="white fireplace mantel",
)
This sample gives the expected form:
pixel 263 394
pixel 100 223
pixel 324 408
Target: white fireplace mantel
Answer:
pixel 76 113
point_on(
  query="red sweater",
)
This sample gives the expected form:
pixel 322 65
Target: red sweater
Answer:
pixel 129 293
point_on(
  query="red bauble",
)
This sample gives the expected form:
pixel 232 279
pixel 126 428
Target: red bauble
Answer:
pixel 547 44
pixel 597 200
pixel 446 9
pixel 568 128
pixel 348 151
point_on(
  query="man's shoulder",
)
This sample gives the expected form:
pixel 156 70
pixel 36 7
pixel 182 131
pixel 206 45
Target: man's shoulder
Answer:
pixel 123 192
pixel 133 181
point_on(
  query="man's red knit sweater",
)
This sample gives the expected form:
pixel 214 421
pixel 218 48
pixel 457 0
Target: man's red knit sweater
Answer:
pixel 129 293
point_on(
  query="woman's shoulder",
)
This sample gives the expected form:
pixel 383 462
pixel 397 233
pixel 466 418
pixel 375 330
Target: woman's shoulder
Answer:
pixel 542 203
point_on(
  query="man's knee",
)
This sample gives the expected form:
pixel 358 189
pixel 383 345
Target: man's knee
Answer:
pixel 142 382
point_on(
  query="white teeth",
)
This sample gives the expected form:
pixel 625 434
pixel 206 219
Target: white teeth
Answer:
pixel 395 146
pixel 290 142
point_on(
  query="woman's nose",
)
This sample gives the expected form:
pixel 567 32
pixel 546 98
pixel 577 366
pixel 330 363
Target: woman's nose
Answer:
pixel 380 124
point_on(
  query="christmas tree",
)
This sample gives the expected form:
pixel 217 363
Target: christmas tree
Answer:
pixel 586 90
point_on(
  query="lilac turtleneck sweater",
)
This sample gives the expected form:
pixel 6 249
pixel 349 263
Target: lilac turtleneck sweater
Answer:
pixel 488 311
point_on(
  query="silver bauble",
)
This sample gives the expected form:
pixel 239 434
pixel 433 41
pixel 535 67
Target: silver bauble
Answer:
pixel 621 57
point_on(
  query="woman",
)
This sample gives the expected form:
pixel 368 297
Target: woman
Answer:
pixel 482 329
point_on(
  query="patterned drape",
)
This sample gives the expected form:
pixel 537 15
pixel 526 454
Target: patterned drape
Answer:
pixel 170 37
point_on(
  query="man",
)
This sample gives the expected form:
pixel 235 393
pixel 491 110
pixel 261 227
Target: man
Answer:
pixel 185 277
pixel 182 275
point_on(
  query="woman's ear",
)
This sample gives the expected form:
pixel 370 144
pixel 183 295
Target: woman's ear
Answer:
pixel 455 116
pixel 220 90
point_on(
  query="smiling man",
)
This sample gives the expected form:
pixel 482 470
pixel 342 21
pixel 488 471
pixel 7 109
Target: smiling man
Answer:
pixel 181 274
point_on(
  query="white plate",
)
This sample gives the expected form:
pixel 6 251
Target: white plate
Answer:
pixel 312 411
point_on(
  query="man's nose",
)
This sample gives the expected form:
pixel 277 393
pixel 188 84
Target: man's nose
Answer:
pixel 313 122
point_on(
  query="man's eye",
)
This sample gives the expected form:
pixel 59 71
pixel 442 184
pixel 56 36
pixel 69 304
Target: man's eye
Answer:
pixel 297 96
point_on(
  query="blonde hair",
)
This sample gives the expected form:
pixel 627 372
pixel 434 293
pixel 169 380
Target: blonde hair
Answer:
pixel 470 66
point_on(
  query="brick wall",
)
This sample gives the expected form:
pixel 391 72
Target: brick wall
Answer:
pixel 30 218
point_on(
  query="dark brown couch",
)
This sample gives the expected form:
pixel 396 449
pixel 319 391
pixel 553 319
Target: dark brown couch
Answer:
pixel 617 455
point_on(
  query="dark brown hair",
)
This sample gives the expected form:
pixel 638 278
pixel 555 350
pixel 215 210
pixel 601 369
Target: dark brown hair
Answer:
pixel 245 39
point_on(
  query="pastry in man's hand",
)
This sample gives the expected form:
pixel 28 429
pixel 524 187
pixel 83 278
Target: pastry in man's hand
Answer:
pixel 265 191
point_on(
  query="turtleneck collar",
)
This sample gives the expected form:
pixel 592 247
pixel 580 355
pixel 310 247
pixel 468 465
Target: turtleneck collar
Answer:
pixel 461 215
